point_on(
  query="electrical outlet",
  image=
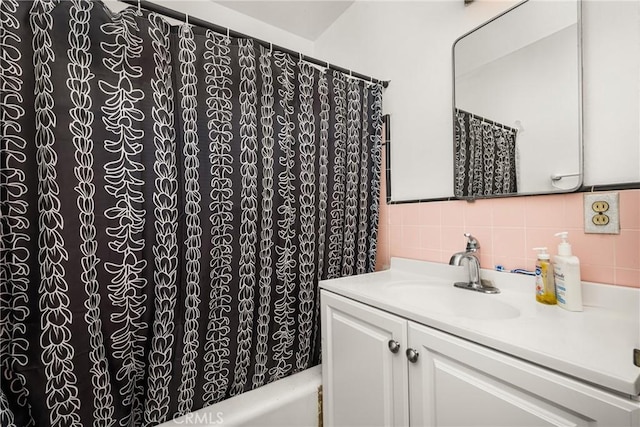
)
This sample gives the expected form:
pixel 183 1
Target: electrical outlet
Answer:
pixel 601 213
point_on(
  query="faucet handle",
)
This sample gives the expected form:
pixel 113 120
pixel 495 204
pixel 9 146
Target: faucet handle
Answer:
pixel 472 243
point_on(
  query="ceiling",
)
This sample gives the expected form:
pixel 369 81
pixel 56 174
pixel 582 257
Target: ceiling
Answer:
pixel 305 18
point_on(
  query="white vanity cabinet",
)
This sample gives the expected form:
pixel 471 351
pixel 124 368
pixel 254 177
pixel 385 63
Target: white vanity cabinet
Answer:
pixel 455 382
pixel 364 382
pixel 451 381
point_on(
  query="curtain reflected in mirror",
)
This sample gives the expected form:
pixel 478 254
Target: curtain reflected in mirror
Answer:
pixel 485 156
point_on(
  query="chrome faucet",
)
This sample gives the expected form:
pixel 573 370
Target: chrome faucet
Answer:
pixel 471 257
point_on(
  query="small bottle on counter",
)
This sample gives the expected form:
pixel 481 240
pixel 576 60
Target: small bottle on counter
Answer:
pixel 545 285
pixel 567 276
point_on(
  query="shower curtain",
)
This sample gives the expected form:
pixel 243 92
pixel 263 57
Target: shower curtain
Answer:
pixel 170 199
pixel 485 156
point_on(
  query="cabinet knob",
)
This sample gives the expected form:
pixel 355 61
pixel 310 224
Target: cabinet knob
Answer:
pixel 412 355
pixel 394 346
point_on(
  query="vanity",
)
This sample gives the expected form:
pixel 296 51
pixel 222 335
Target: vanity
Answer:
pixel 404 347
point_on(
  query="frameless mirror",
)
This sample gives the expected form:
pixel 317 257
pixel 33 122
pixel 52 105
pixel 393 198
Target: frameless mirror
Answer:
pixel 517 102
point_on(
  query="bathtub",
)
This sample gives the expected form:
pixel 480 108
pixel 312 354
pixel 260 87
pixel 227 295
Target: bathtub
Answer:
pixel 292 401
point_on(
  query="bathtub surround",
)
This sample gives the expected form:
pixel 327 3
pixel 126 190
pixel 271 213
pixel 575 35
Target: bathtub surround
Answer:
pixel 508 228
pixel 290 402
pixel 170 199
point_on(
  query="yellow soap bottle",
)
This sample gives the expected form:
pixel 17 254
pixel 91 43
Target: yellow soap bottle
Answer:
pixel 545 284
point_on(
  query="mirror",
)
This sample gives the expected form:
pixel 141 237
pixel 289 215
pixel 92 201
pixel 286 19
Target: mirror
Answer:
pixel 517 103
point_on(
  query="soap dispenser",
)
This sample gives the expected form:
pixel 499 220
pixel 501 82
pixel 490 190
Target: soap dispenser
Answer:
pixel 567 276
pixel 545 287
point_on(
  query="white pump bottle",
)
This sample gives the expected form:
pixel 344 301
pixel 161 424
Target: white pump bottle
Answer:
pixel 567 276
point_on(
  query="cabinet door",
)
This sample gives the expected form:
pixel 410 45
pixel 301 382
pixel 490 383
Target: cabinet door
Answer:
pixel 364 383
pixel 455 382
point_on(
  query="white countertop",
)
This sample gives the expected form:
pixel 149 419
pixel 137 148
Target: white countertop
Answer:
pixel 595 345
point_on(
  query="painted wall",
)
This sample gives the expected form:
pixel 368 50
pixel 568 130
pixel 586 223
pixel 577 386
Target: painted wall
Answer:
pixel 508 228
pixel 410 44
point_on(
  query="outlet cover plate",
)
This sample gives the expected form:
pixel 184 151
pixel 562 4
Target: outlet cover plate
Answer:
pixel 600 205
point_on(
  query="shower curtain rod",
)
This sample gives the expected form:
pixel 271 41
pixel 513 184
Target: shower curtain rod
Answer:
pixel 485 120
pixel 170 13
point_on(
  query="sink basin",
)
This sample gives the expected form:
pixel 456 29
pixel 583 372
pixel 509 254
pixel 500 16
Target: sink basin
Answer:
pixel 448 300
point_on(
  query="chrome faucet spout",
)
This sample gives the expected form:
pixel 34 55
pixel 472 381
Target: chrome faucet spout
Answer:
pixel 456 258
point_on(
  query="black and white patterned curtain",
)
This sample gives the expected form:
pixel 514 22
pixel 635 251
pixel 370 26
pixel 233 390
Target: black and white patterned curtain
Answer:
pixel 170 199
pixel 485 157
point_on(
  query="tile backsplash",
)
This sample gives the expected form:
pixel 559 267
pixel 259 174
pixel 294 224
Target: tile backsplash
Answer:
pixel 508 229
